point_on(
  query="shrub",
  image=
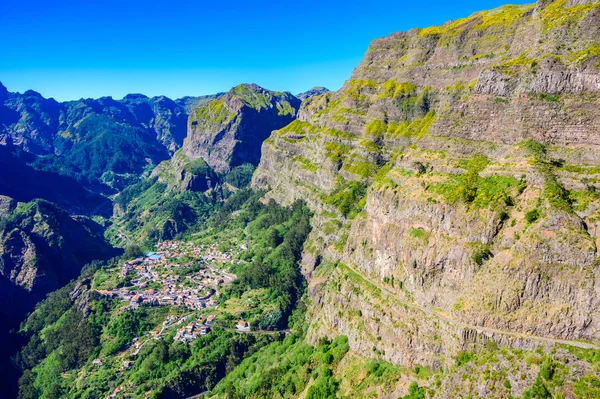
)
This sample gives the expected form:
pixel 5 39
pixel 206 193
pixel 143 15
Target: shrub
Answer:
pixel 481 253
pixel 464 358
pixel 532 215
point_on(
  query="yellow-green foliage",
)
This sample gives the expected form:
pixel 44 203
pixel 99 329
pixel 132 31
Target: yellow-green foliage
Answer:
pixel 592 51
pixel 556 195
pixel 360 167
pixel 417 129
pixel 214 111
pixel 306 164
pixel 558 13
pixel 582 199
pixel 359 87
pixel 296 126
pixel 497 190
pixel 465 187
pixel 336 152
pixel 256 100
pixel 349 197
pixel 517 65
pixel 393 89
pixel 284 108
pixel 375 128
pixel 499 18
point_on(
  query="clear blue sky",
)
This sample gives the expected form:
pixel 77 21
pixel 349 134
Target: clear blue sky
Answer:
pixel 92 48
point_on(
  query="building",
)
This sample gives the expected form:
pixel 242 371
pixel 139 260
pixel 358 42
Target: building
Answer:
pixel 242 325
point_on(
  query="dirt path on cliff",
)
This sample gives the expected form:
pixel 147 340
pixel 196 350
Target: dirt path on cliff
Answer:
pixel 479 329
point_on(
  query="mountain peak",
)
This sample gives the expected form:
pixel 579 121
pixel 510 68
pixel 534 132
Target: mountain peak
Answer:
pixel 315 91
pixel 135 96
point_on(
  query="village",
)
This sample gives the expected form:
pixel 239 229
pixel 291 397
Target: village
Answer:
pixel 180 274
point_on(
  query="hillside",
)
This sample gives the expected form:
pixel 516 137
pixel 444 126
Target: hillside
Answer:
pixel 427 231
pixel 218 157
pixel 105 144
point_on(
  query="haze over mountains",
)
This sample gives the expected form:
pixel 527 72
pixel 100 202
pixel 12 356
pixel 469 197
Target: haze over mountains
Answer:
pixel 428 230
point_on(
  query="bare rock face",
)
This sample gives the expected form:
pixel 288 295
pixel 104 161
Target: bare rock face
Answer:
pixel 455 172
pixel 229 131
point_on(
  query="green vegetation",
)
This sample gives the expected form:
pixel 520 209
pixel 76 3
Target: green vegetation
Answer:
pixel 415 392
pixel 349 197
pixel 215 111
pixel 63 339
pixel 107 152
pixel 500 18
pixel 558 13
pixel 481 253
pixel 284 369
pixel 279 235
pixel 464 187
pixel 417 129
pixel 375 128
pixel 158 213
pixel 240 176
pixel 556 195
pixel 532 215
pixel 393 89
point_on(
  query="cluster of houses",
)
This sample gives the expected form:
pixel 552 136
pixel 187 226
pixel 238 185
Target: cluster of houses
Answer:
pixel 194 329
pixel 196 290
pixel 158 279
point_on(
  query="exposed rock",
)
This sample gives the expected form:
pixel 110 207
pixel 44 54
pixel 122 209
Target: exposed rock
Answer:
pixel 229 131
pixel 415 112
pixel 42 249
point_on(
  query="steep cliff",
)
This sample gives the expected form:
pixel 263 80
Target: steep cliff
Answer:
pixel 229 131
pixel 456 171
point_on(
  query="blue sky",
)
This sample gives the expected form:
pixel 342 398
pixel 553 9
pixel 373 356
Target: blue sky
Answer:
pixel 93 48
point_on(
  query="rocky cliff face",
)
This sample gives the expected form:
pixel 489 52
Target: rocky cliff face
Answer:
pixel 455 170
pixel 100 142
pixel 229 131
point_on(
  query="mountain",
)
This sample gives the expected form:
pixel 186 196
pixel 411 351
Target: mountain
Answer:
pixel 219 154
pixel 103 143
pixel 315 91
pixel 42 249
pixel 455 172
pixel 229 131
pixel 429 230
pixel 24 183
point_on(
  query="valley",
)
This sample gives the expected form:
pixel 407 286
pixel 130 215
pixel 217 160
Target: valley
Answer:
pixel 429 230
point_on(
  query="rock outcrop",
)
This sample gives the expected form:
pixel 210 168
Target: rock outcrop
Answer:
pixel 229 131
pixel 457 168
